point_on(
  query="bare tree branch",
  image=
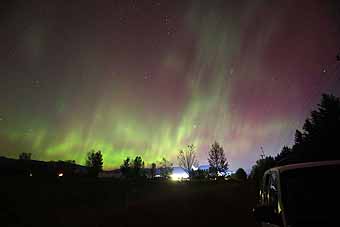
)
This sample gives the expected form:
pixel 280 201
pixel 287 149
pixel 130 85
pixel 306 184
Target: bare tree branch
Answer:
pixel 187 159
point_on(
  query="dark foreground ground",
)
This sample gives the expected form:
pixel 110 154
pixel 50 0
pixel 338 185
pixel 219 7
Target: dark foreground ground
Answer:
pixel 90 202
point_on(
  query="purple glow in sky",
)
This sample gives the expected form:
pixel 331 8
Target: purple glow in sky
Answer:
pixel 149 77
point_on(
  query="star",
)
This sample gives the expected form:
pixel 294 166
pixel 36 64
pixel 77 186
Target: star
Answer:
pixel 171 31
pixel 231 71
pixel 36 83
pixel 147 76
pixel 122 20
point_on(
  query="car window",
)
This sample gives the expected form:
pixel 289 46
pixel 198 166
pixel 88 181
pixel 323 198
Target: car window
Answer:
pixel 265 193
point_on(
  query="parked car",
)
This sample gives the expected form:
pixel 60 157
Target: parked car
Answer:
pixel 305 194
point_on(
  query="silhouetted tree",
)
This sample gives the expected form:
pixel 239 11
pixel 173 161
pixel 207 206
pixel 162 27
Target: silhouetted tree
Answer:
pixel 261 166
pixel 165 168
pixel 298 137
pixel 281 157
pixel 125 168
pixel 217 160
pixel 187 159
pixel 153 170
pixel 25 156
pixel 94 162
pixel 200 174
pixel 71 161
pixel 138 166
pixel 240 174
pixel 319 139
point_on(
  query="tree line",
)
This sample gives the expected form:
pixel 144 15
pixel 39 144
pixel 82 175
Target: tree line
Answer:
pixel 317 141
pixel 134 168
pixel 187 160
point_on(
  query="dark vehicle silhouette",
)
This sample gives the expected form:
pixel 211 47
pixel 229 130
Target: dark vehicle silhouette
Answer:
pixel 305 194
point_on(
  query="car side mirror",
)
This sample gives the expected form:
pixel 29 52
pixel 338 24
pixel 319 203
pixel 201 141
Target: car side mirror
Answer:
pixel 266 214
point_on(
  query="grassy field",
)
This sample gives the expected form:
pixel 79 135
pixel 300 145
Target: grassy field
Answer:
pixel 90 202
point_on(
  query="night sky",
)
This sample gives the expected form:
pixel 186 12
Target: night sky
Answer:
pixel 149 77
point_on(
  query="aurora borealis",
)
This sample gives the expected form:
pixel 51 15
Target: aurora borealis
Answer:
pixel 149 77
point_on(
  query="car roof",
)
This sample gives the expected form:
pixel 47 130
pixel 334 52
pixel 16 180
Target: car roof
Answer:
pixel 303 165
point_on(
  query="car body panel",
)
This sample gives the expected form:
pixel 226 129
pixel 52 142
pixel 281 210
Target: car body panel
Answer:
pixel 272 188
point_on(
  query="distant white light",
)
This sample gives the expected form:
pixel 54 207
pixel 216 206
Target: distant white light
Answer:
pixel 60 174
pixel 31 174
pixel 220 174
pixel 179 176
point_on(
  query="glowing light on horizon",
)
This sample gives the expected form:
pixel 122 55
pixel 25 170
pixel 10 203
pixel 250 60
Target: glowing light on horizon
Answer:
pixel 179 176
